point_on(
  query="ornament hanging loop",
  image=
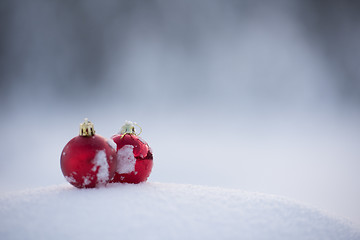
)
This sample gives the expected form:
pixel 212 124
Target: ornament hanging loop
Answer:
pixel 139 128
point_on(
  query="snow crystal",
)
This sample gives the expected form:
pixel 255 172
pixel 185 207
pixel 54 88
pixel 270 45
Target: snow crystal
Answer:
pixel 128 125
pixel 112 144
pixel 86 180
pixel 101 163
pixel 126 160
pixel 129 122
pixel 70 179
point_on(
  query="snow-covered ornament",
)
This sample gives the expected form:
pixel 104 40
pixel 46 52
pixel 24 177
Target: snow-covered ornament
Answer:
pixel 88 160
pixel 134 156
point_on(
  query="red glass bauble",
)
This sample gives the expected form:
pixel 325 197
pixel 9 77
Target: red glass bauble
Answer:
pixel 134 159
pixel 88 161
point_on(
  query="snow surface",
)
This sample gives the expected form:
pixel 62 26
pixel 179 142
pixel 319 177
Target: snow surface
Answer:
pixel 126 160
pixel 161 211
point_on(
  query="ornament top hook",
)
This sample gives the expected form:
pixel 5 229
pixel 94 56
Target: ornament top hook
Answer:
pixel 87 128
pixel 129 128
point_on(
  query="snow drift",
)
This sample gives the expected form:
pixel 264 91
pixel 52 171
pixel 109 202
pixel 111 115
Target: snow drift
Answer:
pixel 161 211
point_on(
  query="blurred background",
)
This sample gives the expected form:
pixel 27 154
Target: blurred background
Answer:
pixel 255 95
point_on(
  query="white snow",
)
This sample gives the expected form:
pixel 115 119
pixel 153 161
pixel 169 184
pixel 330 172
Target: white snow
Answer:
pixel 101 163
pixel 127 122
pixel 112 144
pixel 70 178
pixel 161 211
pixel 87 180
pixel 128 125
pixel 126 160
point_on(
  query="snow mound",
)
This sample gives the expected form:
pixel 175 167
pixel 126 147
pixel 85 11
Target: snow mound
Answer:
pixel 161 211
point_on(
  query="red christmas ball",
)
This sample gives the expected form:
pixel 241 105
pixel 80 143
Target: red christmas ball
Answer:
pixel 88 160
pixel 134 156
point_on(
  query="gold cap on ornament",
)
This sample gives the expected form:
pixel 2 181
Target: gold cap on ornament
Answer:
pixel 129 128
pixel 87 128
